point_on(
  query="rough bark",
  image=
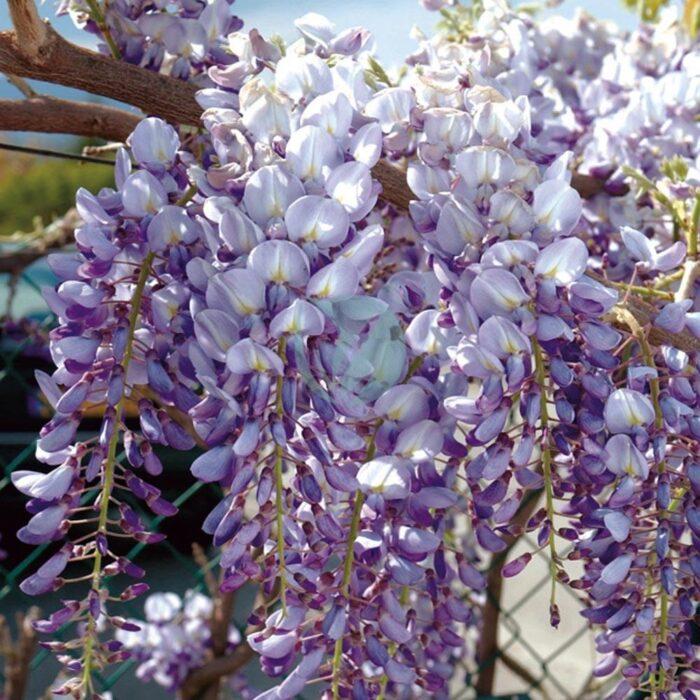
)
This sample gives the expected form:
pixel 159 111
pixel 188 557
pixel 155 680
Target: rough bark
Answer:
pixel 395 189
pixel 201 679
pixel 50 115
pixel 58 61
pixel 31 31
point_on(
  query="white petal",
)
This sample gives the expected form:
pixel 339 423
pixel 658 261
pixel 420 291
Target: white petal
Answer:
pixel 563 261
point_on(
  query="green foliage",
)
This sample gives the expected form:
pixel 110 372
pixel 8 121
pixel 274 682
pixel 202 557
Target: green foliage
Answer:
pixel 648 9
pixel 457 22
pixel 691 17
pixel 676 169
pixel 376 75
pixel 45 188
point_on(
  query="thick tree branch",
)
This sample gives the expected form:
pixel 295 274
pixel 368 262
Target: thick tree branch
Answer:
pixel 395 189
pixel 50 115
pixel 588 186
pixel 31 31
pixel 60 62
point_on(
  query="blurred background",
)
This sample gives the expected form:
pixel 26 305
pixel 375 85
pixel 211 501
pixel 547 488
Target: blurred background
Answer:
pixel 534 661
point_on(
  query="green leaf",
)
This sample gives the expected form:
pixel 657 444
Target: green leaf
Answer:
pixel 378 71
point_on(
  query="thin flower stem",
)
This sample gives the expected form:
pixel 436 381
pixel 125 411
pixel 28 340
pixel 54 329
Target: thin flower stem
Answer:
pixel 541 378
pixel 279 486
pixel 190 192
pixel 345 585
pixel 99 19
pixel 646 185
pixel 691 266
pixel 686 289
pixel 694 230
pixel 413 367
pixel 384 681
pixel 655 390
pixel 349 558
pixel 668 280
pixel 637 289
pixel 108 479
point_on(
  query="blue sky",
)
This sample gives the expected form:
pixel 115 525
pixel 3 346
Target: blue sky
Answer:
pixel 389 20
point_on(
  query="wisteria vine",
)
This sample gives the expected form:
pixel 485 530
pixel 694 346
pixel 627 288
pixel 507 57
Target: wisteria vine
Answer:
pixel 379 392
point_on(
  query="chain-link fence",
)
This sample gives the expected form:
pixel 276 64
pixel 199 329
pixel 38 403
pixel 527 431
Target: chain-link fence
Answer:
pixel 169 564
pixel 523 656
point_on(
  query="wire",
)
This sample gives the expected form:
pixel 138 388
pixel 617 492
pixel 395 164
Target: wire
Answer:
pixel 54 154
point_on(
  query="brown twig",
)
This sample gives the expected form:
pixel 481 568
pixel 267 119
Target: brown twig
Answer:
pixel 200 558
pixel 204 683
pixel 487 651
pixel 214 670
pixel 221 621
pixel 18 653
pixel 645 314
pixel 201 679
pixel 219 624
pixel 56 235
pixel 202 687
pixel 22 85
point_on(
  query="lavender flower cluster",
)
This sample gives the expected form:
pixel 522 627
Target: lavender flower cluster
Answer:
pixel 378 394
pixel 173 639
pixel 182 39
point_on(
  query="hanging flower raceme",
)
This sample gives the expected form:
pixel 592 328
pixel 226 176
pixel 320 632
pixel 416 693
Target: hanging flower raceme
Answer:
pixel 123 320
pixel 296 358
pixel 543 363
